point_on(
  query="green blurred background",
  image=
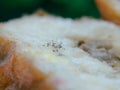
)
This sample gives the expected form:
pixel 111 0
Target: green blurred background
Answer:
pixel 67 8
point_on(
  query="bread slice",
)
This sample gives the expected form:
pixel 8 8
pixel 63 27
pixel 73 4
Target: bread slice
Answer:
pixel 64 49
pixel 110 10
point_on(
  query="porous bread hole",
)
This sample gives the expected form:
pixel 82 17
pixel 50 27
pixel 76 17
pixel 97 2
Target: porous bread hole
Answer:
pixel 103 51
pixel 80 43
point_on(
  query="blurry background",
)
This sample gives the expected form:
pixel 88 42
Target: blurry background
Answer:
pixel 67 8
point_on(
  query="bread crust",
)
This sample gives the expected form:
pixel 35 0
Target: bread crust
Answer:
pixel 41 13
pixel 108 11
pixel 16 73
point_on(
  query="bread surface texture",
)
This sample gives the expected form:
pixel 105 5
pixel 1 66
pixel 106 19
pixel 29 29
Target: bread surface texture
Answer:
pixel 110 10
pixel 50 44
pixel 18 74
